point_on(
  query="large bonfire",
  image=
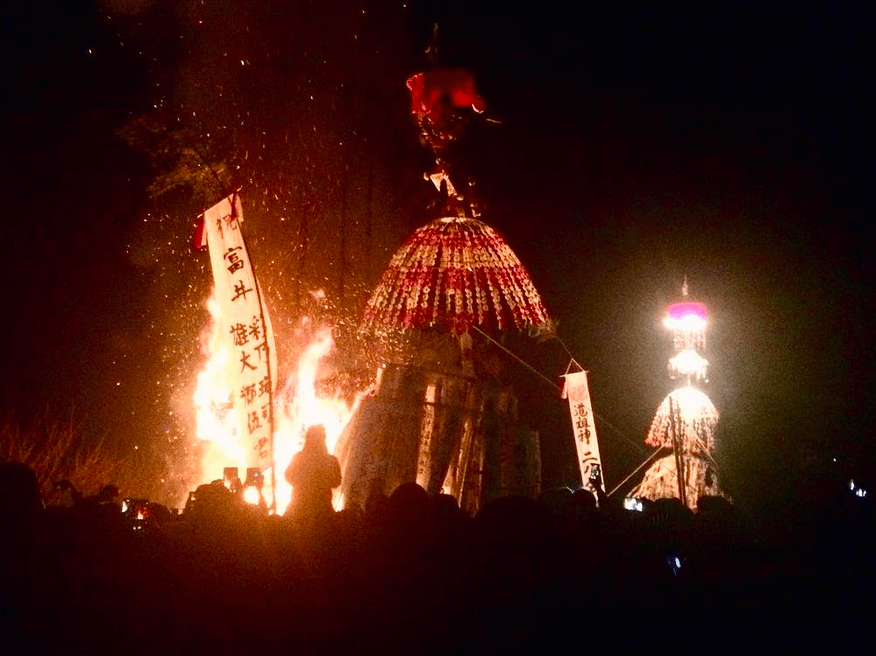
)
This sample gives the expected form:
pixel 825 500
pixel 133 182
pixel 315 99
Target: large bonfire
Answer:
pixel 248 427
pixel 298 405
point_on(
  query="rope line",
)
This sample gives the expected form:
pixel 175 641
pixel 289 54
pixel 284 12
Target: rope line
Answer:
pixel 638 447
pixel 601 419
pixel 637 470
pixel 525 364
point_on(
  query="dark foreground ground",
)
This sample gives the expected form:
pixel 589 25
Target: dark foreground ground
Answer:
pixel 414 575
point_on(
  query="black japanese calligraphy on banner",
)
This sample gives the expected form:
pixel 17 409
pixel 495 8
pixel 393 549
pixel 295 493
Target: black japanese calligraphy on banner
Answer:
pixel 246 328
pixel 582 423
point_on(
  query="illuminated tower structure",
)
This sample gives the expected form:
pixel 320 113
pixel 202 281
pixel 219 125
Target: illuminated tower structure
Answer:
pixel 443 411
pixel 686 419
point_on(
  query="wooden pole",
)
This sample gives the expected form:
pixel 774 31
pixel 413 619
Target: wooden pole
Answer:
pixel 676 447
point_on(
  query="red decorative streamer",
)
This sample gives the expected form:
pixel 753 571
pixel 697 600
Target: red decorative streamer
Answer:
pixel 454 273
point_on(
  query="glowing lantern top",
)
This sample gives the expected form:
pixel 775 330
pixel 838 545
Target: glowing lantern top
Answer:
pixel 687 312
pixel 687 320
pixel 453 273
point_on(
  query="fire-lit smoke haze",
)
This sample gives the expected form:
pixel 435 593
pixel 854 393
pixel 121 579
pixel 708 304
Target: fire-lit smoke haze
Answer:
pixel 282 110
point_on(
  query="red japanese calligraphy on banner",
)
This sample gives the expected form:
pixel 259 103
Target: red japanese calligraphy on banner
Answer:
pixel 245 327
pixel 583 426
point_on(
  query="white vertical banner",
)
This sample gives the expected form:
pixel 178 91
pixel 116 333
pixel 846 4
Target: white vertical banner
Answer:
pixel 246 329
pixel 582 424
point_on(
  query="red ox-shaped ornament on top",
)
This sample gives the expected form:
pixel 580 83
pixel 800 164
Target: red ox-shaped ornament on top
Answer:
pixel 430 91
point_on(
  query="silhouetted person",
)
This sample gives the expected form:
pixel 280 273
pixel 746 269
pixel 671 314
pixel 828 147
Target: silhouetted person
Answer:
pixel 408 513
pixel 596 484
pixel 20 501
pixel 312 474
pixel 21 576
pixel 66 494
pixel 582 506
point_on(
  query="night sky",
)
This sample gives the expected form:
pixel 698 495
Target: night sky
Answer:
pixel 637 143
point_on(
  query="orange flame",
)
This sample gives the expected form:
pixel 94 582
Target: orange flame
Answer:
pixel 304 408
pixel 217 423
pixel 296 408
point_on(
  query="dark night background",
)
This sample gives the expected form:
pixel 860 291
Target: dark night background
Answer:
pixel 639 142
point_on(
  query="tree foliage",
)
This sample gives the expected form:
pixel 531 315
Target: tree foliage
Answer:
pixel 179 161
pixel 61 451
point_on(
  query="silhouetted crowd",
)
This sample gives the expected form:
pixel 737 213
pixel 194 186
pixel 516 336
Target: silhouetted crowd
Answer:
pixel 410 574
